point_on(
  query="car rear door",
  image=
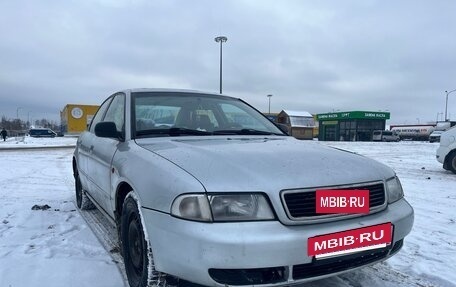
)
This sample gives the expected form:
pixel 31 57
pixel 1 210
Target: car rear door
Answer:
pixel 103 150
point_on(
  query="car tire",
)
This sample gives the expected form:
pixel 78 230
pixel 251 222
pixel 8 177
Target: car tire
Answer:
pixel 136 249
pixel 82 200
pixel 451 161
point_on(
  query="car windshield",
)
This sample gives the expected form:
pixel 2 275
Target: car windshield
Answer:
pixel 179 113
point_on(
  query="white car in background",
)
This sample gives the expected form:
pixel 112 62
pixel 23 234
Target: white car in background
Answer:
pixel 435 136
pixel 446 153
pixel 386 136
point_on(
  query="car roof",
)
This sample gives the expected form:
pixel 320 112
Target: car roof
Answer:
pixel 187 91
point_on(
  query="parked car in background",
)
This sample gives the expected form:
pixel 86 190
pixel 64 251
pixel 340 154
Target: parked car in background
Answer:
pixel 204 188
pixel 440 127
pixel 42 132
pixel 386 136
pixel 435 136
pixel 446 153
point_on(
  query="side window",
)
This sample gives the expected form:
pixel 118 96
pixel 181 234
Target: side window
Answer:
pixel 116 112
pixel 240 118
pixel 99 115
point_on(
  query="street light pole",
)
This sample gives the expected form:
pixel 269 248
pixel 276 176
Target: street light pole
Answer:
pixel 221 39
pixel 28 118
pixel 17 112
pixel 269 98
pixel 446 102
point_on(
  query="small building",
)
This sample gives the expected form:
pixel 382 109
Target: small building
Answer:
pixel 300 123
pixel 74 119
pixel 350 126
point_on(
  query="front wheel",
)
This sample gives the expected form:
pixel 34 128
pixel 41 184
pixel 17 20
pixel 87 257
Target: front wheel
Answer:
pixel 137 252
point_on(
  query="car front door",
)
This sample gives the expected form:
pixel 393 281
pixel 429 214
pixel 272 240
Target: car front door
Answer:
pixel 85 148
pixel 103 152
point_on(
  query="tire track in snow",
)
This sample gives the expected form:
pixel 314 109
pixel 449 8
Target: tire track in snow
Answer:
pixel 100 226
pixel 106 235
pixel 104 232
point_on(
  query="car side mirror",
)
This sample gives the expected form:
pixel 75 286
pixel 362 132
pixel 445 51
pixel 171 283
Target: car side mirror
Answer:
pixel 106 130
pixel 283 128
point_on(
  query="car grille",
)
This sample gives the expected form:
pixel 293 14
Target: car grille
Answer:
pixel 300 204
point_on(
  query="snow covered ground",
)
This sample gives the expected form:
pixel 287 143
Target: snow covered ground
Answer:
pixel 31 142
pixel 53 247
pixel 61 246
pixel 429 251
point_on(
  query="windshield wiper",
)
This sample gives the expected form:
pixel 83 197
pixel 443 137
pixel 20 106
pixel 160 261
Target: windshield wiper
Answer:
pixel 176 131
pixel 152 132
pixel 245 132
pixel 186 131
pixel 172 132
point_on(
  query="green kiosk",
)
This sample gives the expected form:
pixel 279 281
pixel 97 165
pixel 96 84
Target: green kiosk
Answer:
pixel 350 126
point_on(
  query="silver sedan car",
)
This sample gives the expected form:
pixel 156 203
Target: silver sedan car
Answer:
pixel 204 188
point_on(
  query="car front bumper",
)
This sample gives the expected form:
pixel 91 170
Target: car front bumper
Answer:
pixel 189 249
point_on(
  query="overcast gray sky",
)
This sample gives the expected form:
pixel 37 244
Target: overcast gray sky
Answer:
pixel 317 56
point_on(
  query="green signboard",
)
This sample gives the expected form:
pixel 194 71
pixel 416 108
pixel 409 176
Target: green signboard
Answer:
pixel 354 115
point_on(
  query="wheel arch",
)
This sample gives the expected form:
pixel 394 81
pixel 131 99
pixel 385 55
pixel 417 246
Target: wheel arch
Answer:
pixel 449 156
pixel 123 188
pixel 75 167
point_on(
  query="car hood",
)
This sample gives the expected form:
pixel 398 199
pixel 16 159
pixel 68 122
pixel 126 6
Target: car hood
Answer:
pixel 259 164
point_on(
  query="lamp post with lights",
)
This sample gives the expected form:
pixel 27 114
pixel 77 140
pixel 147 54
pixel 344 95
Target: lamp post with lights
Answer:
pixel 221 39
pixel 269 98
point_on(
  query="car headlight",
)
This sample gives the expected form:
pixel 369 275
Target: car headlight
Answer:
pixel 192 207
pixel 223 207
pixel 394 189
pixel 240 207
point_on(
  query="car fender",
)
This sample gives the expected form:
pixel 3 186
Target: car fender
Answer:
pixel 157 181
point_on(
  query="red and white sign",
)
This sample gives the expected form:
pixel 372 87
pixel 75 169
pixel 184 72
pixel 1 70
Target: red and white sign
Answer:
pixel 350 241
pixel 342 201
